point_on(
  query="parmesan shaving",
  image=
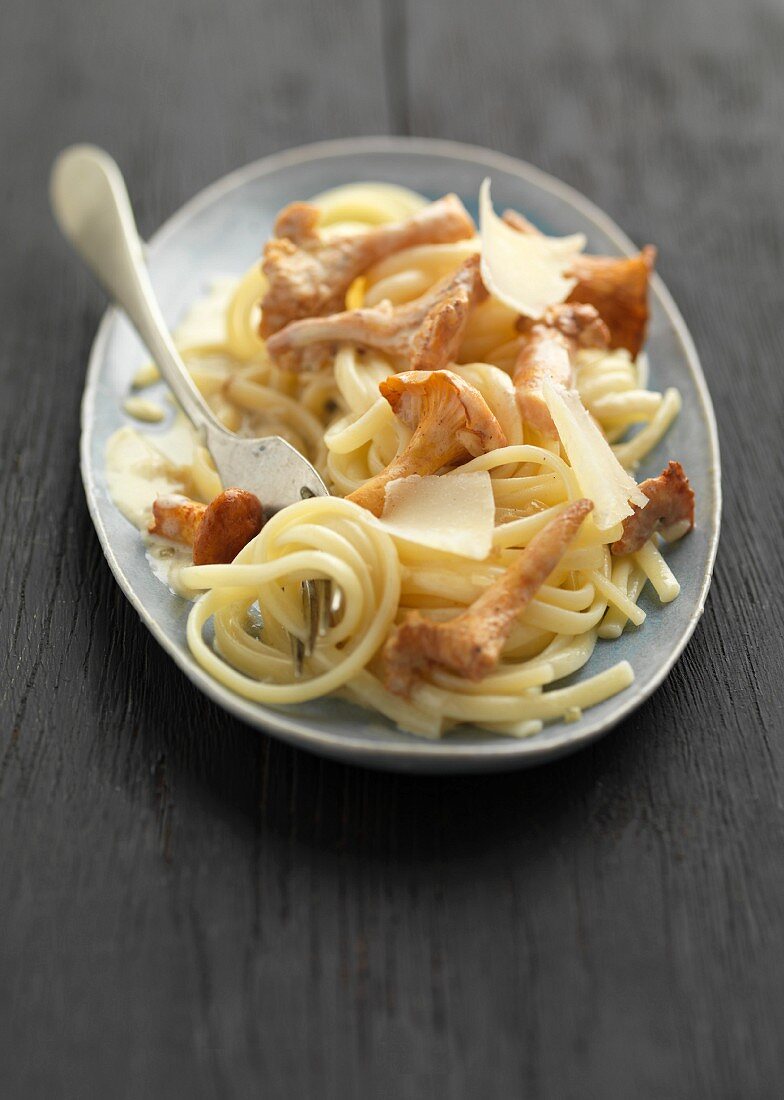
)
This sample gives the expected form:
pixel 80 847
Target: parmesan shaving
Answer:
pixel 599 473
pixel 137 473
pixel 525 271
pixel 453 514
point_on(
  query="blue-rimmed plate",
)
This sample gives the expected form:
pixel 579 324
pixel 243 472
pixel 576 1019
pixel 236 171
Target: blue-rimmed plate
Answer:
pixel 221 232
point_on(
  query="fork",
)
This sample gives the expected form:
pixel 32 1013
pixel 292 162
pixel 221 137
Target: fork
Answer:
pixel 92 208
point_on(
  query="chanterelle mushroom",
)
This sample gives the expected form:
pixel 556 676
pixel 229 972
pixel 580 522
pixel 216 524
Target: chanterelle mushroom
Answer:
pixel 471 643
pixel 616 285
pixel 217 531
pixel 670 508
pixel 309 277
pixel 450 419
pixel 427 331
pixel 547 355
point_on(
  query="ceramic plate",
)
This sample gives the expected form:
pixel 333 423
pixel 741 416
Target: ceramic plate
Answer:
pixel 221 232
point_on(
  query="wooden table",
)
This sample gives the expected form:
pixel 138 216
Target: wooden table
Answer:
pixel 188 908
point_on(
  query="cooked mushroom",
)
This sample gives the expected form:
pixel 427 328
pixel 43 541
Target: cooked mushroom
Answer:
pixel 427 331
pixel 670 508
pixel 547 355
pixel 309 276
pixel 471 643
pixel 450 419
pixel 216 531
pixel 616 285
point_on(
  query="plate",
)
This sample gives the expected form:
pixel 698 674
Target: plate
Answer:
pixel 221 232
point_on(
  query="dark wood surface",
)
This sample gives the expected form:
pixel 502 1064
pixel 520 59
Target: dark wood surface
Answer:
pixel 188 908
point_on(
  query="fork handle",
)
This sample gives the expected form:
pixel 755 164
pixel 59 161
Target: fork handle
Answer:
pixel 91 205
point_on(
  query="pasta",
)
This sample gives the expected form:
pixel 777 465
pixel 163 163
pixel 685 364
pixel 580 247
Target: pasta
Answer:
pixel 247 611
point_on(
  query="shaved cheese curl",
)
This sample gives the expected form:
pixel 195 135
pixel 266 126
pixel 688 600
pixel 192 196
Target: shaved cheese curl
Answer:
pixel 525 271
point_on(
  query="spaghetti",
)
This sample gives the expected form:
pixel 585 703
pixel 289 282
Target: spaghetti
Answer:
pixel 246 612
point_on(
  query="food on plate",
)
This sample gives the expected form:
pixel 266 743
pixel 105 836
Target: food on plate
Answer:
pixel 477 403
pixel 309 275
pixel 617 286
pixel 471 643
pixel 217 531
pixel 670 509
pixel 547 354
pixel 425 332
pixel 449 420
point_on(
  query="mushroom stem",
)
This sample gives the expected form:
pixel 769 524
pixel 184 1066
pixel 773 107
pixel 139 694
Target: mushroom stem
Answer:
pixel 427 330
pixel 471 643
pixel 177 518
pixel 670 506
pixel 547 354
pixel 309 276
pixel 425 453
pixel 450 420
pixel 217 531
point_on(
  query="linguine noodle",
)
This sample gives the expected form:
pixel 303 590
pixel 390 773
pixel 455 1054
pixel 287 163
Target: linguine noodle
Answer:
pixel 244 613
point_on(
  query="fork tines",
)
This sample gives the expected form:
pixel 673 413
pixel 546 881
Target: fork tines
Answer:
pixel 317 607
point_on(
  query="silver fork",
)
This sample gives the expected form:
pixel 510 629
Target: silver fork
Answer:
pixel 91 205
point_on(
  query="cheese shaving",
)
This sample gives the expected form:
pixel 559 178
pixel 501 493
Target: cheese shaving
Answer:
pixel 525 271
pixel 599 473
pixel 453 513
pixel 137 473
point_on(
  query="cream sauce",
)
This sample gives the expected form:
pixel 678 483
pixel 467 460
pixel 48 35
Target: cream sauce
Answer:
pixel 138 471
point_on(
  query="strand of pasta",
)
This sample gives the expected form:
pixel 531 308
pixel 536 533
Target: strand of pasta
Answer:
pixel 339 420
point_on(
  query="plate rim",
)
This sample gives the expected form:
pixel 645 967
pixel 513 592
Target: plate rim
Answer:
pixel 421 754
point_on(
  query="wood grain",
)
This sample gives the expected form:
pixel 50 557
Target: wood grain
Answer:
pixel 189 908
